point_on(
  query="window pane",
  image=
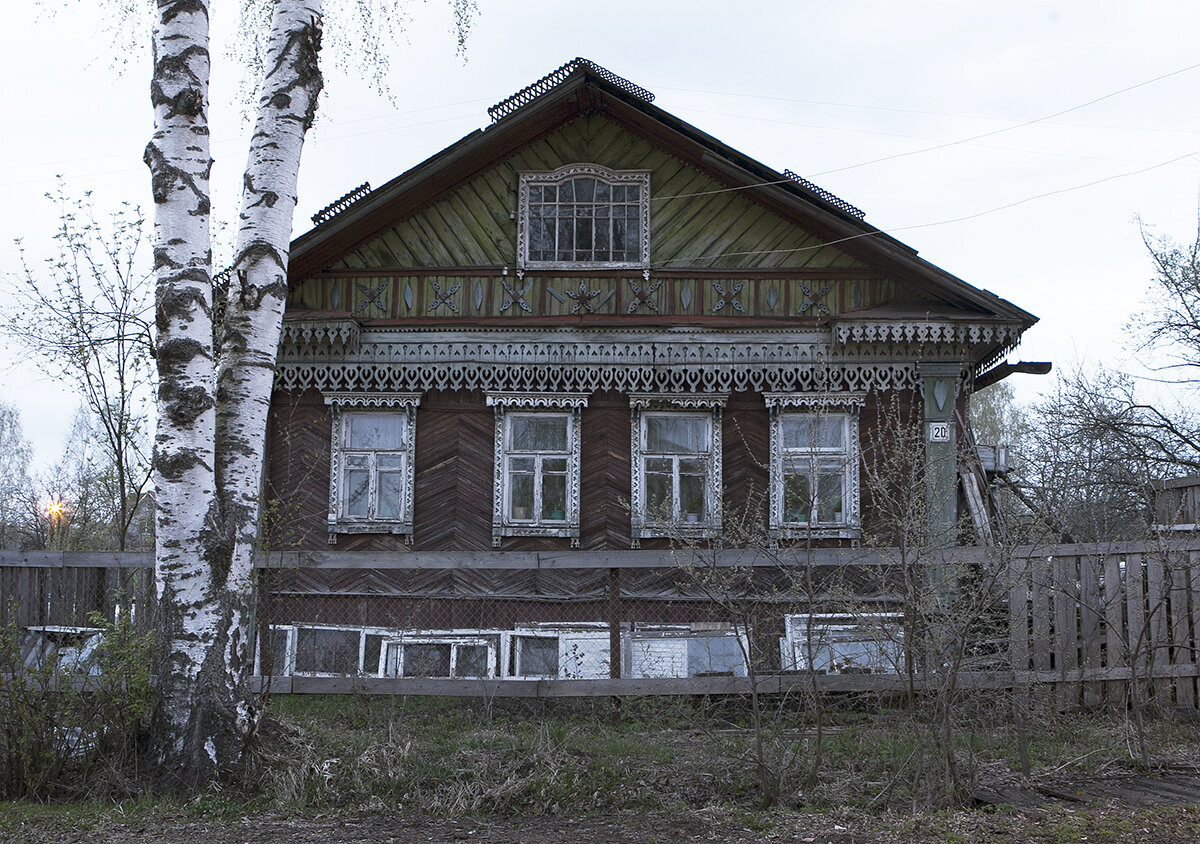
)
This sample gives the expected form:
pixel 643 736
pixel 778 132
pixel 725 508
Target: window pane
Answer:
pixel 557 465
pixel 537 656
pixel 541 240
pixel 520 496
pixel 830 498
pixel 676 435
pixel 566 246
pixel 554 498
pixel 374 430
pixel 658 489
pixel 354 502
pixel 426 660
pixel 603 192
pixel 470 661
pixel 691 498
pixel 797 498
pixel 585 189
pixel 566 193
pixel 544 432
pixel 388 490
pixel 809 432
pixel 327 651
pixel 371 649
pixel 274 652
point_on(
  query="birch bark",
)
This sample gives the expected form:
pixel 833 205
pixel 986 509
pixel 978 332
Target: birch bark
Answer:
pixel 212 421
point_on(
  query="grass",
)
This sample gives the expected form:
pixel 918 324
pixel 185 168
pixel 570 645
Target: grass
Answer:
pixel 456 758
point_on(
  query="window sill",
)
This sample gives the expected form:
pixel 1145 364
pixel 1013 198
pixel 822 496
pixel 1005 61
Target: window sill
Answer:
pixel 565 532
pixel 395 528
pixel 816 532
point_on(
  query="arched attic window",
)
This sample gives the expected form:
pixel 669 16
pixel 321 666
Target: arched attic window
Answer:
pixel 583 215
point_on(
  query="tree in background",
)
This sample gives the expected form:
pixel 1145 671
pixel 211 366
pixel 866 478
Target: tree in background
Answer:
pixel 1078 466
pixel 84 315
pixel 213 399
pixel 14 477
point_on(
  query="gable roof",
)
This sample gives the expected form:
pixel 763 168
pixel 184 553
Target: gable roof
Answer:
pixel 581 87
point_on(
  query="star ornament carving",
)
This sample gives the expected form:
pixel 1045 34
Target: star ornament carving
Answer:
pixel 643 297
pixel 582 298
pixel 371 296
pixel 445 298
pixel 728 297
pixel 812 301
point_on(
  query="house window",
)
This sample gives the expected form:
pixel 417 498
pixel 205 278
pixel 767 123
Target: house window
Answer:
pixel 583 215
pixel 371 463
pixel 814 465
pixel 676 458
pixel 537 452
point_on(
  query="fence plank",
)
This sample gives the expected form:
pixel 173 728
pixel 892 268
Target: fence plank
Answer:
pixel 1066 629
pixel 1089 625
pixel 1116 647
pixel 1157 621
pixel 1138 634
pixel 1181 650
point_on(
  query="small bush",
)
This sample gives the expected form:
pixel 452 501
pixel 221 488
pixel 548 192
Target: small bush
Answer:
pixel 73 729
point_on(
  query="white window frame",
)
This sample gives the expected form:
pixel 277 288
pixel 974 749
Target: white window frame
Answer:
pixel 393 655
pixel 842 407
pixel 291 646
pixel 343 407
pixel 528 179
pixel 694 405
pixel 839 643
pixel 509 406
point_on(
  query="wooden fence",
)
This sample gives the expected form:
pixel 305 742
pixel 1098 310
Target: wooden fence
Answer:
pixel 1087 625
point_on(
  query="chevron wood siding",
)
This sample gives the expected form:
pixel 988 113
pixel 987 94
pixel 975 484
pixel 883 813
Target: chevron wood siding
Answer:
pixel 452 503
pixel 745 456
pixel 454 471
pixel 298 434
pixel 890 431
pixel 605 472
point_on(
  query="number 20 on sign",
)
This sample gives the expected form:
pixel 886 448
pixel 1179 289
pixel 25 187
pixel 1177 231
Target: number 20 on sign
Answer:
pixel 939 432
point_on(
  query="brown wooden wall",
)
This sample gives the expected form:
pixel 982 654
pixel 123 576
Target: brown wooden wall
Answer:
pixel 454 472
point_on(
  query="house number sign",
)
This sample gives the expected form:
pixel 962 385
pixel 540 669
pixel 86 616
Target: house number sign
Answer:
pixel 939 432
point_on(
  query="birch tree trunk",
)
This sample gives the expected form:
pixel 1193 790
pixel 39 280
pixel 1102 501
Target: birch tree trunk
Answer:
pixel 210 441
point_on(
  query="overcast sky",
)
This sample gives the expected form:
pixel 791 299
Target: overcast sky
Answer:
pixel 1013 144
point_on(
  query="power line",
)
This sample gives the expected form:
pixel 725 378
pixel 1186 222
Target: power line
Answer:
pixel 1014 127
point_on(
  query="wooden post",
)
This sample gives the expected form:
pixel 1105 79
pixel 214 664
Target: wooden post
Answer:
pixel 614 635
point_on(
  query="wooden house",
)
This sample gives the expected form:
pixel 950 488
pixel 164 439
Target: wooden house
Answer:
pixel 593 327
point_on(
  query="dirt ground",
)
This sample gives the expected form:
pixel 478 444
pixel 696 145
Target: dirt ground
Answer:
pixel 1048 823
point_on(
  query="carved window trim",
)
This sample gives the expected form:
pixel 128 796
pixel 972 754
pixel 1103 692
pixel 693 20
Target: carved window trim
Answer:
pixel 343 407
pixel 514 405
pixel 842 407
pixel 708 406
pixel 613 178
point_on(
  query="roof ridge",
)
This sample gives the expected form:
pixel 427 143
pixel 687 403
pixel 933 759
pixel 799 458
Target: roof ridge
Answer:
pixel 555 78
pixel 832 199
